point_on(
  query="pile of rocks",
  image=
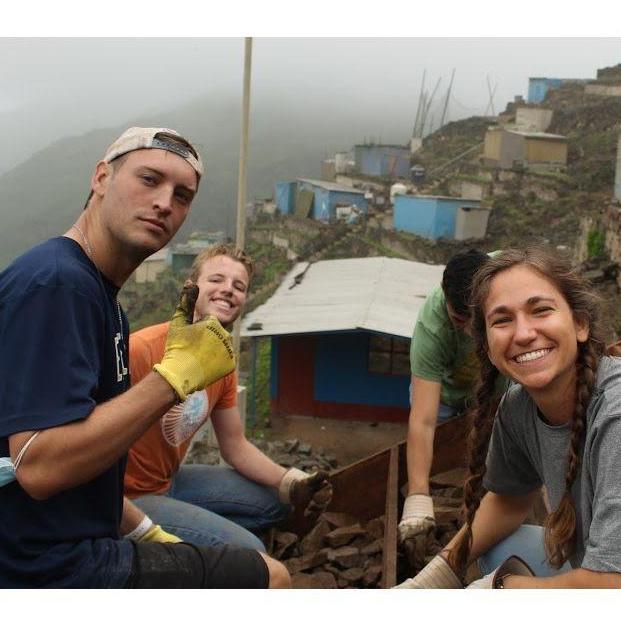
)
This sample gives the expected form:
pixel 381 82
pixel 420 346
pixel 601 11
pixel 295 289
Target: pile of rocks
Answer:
pixel 447 494
pixel 287 453
pixel 339 552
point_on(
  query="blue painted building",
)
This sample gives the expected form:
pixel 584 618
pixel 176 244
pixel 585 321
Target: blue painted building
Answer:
pixel 538 88
pixel 340 334
pixel 329 196
pixel 285 192
pixel 436 217
pixel 383 160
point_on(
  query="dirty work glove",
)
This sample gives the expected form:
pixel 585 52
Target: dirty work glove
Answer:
pixel 312 492
pixel 437 574
pixel 417 516
pixel 196 354
pixel 159 535
pixel 513 566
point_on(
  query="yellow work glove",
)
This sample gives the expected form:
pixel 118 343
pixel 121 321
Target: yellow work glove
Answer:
pixel 196 354
pixel 159 535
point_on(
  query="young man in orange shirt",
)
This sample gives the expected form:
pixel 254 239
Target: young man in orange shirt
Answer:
pixel 198 503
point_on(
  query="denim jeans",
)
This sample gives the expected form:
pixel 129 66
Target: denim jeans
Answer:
pixel 210 505
pixel 527 543
pixel 444 411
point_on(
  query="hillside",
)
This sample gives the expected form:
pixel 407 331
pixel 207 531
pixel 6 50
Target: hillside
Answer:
pixel 288 138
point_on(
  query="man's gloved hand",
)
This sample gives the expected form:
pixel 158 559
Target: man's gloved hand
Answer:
pixel 513 566
pixel 196 354
pixel 158 534
pixel 312 492
pixel 437 574
pixel 417 516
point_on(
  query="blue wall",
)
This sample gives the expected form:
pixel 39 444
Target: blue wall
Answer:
pixel 380 161
pixel 285 196
pixel 325 201
pixel 342 376
pixel 538 88
pixel 428 216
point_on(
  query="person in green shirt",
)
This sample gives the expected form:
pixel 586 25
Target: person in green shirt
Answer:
pixel 444 369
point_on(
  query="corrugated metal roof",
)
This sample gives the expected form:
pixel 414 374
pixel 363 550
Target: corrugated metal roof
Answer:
pixel 539 135
pixel 332 187
pixel 452 199
pixel 379 294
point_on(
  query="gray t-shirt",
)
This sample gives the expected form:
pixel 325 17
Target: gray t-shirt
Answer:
pixel 525 453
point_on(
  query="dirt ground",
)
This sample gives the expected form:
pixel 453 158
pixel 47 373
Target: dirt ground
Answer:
pixel 349 441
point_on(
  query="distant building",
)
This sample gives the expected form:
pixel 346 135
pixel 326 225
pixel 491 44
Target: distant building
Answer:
pixel 340 335
pixel 436 217
pixel 316 199
pixel 182 255
pixel 383 160
pixel 152 266
pixel 533 119
pixel 507 148
pixel 538 88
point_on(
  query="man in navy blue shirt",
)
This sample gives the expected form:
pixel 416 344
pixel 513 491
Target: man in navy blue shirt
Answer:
pixel 67 413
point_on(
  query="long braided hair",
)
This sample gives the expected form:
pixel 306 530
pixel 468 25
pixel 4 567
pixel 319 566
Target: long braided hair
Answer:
pixel 560 527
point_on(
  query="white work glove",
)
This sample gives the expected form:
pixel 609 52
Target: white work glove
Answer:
pixel 417 516
pixel 309 491
pixel 437 574
pixel 513 566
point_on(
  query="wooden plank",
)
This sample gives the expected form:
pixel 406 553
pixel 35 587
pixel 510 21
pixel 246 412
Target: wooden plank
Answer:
pixel 360 488
pixel 391 513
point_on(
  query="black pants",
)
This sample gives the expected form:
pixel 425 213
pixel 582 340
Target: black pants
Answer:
pixel 186 566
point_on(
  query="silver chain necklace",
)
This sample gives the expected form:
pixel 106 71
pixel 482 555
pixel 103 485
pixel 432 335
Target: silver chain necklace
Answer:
pixel 89 251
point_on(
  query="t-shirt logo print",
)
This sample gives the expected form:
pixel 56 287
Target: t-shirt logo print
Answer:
pixel 121 368
pixel 182 420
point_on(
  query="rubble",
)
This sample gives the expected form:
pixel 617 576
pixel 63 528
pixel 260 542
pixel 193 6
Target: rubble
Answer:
pixel 289 453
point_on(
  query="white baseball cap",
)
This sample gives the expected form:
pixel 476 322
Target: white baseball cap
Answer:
pixel 136 138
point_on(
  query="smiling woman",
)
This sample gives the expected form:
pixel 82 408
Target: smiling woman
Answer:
pixel 558 427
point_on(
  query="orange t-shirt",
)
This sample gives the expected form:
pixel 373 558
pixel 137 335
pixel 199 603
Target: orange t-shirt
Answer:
pixel 155 457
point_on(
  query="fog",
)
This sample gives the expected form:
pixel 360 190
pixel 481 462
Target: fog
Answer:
pixel 55 87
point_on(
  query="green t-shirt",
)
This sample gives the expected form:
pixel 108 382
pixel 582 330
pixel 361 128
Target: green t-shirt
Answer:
pixel 439 352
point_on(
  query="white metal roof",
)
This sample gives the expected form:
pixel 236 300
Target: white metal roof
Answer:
pixel 331 186
pixel 379 294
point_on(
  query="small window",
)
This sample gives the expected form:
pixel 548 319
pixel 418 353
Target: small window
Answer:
pixel 389 355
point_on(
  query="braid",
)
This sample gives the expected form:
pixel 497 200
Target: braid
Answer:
pixel 560 527
pixel 478 443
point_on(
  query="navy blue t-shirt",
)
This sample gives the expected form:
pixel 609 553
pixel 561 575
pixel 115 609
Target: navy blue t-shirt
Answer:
pixel 62 352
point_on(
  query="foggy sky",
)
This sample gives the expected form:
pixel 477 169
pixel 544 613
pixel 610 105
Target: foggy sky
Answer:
pixel 56 87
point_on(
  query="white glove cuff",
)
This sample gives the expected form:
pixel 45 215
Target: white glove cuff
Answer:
pixel 140 530
pixel 417 506
pixel 437 574
pixel 289 478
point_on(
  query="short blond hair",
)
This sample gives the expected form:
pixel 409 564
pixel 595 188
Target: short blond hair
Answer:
pixel 225 250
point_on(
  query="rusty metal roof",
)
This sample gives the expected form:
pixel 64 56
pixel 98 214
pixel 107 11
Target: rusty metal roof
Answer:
pixel 378 294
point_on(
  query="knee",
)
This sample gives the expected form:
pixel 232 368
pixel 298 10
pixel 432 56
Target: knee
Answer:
pixel 279 577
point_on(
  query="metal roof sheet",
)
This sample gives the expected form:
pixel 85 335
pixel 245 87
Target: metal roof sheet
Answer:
pixel 332 187
pixel 379 294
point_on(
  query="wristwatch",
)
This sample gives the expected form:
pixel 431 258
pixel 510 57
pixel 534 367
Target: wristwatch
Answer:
pixel 499 581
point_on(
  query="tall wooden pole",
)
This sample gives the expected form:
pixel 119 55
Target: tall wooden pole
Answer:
pixel 240 236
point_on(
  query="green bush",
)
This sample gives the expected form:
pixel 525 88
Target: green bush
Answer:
pixel 595 244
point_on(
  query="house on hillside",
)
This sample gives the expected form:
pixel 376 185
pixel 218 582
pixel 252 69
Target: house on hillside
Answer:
pixel 436 217
pixel 340 336
pixel 533 119
pixel 320 200
pixel 538 88
pixel 182 255
pixel 152 266
pixel 506 148
pixel 391 161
